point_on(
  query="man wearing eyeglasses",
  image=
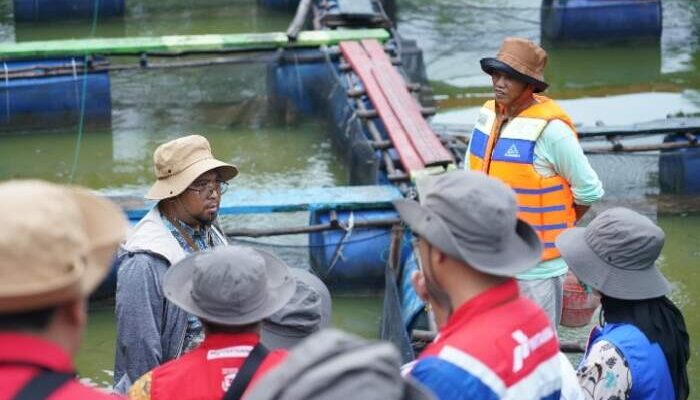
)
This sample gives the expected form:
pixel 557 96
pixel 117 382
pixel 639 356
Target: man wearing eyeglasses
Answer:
pixel 188 188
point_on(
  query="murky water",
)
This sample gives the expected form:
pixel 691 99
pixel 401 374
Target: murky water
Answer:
pixel 617 85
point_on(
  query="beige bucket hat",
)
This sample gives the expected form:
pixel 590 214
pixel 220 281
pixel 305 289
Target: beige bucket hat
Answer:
pixel 521 59
pixel 179 162
pixel 57 243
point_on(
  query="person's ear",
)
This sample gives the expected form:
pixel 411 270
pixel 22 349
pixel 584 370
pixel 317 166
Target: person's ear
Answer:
pixel 418 281
pixel 75 312
pixel 437 257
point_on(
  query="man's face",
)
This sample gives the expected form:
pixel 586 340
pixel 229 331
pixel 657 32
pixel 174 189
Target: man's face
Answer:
pixel 202 199
pixel 506 89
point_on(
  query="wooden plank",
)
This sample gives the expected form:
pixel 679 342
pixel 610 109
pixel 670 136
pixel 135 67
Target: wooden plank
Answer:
pixel 246 201
pixel 358 59
pixel 406 107
pixel 182 43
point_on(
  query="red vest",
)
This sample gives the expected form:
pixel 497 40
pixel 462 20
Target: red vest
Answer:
pixel 207 371
pixel 31 350
pixel 503 339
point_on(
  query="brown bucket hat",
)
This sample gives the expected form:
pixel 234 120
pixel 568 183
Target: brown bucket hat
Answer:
pixel 179 162
pixel 59 250
pixel 521 59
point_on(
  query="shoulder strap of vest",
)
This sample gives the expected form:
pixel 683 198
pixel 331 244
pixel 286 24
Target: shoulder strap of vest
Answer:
pixel 43 385
pixel 245 374
pixel 548 109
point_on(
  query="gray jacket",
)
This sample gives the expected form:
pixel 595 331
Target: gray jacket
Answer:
pixel 150 329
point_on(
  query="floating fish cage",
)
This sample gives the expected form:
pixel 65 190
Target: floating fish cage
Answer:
pixel 55 10
pixel 595 21
pixel 53 99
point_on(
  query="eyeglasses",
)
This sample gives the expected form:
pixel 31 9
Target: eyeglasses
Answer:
pixel 205 189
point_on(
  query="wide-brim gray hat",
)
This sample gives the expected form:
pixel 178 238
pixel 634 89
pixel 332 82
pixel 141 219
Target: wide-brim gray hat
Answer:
pixel 472 218
pixel 308 311
pixel 230 285
pixel 616 254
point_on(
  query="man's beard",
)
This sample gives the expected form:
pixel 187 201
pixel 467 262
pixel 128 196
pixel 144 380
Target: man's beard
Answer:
pixel 206 222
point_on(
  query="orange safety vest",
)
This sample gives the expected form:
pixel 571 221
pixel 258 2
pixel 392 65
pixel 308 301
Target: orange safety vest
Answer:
pixel 547 204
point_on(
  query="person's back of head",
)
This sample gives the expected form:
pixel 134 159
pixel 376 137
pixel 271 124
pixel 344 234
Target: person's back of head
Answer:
pixel 332 365
pixel 53 256
pixel 307 312
pixel 469 220
pixel 231 288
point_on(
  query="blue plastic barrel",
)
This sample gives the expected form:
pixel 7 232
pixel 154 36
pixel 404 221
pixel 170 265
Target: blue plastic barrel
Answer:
pixel 601 20
pixel 287 5
pixel 53 101
pixel 55 10
pixel 363 253
pixel 299 81
pixel 679 170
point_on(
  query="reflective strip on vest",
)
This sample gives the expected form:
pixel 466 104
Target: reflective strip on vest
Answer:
pixel 545 203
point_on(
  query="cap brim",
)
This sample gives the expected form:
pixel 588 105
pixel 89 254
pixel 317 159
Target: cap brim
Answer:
pixel 490 64
pixel 177 285
pixel 176 184
pixel 105 228
pixel 614 282
pixel 521 251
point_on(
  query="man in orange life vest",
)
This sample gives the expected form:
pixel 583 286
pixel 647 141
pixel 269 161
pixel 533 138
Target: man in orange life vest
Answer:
pixel 529 142
pixel 231 289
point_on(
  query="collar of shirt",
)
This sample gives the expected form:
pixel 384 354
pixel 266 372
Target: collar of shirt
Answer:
pixel 484 301
pixel 221 340
pixel 27 349
pixel 199 236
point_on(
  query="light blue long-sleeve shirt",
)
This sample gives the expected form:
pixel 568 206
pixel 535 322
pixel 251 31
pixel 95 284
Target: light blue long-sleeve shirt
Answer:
pixel 558 152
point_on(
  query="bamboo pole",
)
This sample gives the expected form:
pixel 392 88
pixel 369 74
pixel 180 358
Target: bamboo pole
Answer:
pixel 299 19
pixel 255 233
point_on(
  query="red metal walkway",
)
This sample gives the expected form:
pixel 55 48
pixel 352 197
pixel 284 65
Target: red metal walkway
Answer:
pixel 414 140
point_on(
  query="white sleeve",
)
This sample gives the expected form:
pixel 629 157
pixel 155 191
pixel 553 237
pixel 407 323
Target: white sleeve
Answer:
pixel 605 374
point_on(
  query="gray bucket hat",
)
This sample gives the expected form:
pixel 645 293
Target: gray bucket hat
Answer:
pixel 332 365
pixel 308 311
pixel 472 218
pixel 616 254
pixel 230 285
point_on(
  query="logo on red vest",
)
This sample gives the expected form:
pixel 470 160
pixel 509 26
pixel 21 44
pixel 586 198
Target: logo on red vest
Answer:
pixel 229 375
pixel 528 345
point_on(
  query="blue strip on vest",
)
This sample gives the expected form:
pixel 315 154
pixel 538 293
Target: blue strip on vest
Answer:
pixel 478 143
pixel 514 151
pixel 541 210
pixel 450 382
pixel 549 245
pixel 539 191
pixel 552 227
